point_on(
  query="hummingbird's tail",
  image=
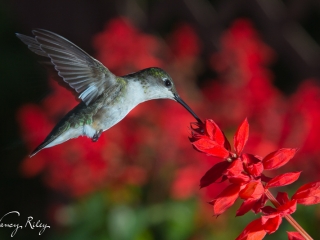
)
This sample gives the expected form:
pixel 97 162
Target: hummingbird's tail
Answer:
pixel 38 149
pixel 51 140
pixel 63 131
pixel 48 142
pixel 56 137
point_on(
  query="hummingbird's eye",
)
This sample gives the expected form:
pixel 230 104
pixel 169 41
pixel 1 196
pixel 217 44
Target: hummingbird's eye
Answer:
pixel 167 82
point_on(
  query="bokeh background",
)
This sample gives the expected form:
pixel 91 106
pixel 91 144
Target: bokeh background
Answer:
pixel 229 59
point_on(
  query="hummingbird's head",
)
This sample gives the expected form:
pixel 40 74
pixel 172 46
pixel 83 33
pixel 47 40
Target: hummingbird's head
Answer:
pixel 159 84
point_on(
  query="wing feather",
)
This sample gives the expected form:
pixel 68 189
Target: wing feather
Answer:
pixel 86 75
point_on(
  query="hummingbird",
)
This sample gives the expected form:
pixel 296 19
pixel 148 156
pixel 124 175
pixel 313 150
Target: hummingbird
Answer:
pixel 105 99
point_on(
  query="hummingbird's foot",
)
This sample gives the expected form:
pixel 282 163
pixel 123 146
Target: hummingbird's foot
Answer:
pixel 96 135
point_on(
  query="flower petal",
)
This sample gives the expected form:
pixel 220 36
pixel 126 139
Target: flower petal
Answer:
pixel 211 147
pixel 265 179
pixel 271 224
pixel 253 189
pixel 234 172
pixel 268 210
pixel 225 199
pixel 214 132
pixel 278 158
pixel 283 179
pixel 246 206
pixel 235 168
pixel 259 204
pixel 253 165
pixel 249 159
pixel 308 194
pixel 295 236
pixel 204 143
pixel 213 174
pixel 253 231
pixel 241 137
pixel 240 179
pixel 287 208
pixel 282 197
pixel 255 169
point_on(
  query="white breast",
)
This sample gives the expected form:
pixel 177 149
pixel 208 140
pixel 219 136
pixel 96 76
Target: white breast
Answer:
pixel 130 99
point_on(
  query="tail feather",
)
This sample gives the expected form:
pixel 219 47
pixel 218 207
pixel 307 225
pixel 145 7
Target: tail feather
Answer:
pixel 38 149
pixel 62 131
pixel 49 139
pixel 56 137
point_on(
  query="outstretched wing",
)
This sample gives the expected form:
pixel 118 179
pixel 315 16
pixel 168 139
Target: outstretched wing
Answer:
pixel 86 75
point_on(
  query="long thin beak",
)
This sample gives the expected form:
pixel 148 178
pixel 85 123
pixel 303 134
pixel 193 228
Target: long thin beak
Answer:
pixel 179 100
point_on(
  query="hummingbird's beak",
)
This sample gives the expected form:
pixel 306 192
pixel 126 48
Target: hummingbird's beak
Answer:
pixel 179 100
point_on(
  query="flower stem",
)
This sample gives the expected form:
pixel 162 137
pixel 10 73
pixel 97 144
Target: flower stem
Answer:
pixel 289 218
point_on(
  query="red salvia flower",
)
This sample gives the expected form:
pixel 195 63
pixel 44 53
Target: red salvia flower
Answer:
pixel 308 194
pixel 245 173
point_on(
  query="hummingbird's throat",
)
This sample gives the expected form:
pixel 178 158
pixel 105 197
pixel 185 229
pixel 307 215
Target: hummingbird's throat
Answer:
pixel 179 100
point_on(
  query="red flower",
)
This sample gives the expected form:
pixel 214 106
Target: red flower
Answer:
pixel 308 194
pixel 225 199
pixel 123 48
pixel 245 173
pixel 271 220
pixel 278 158
pixel 295 236
pixel 213 141
pixel 254 230
pixel 185 42
pixel 283 179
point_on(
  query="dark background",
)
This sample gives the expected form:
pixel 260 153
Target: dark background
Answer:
pixel 291 28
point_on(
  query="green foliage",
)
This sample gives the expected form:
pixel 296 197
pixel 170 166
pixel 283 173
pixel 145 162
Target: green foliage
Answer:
pixel 97 217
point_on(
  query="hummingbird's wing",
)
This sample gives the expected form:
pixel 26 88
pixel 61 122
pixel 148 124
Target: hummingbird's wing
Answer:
pixel 86 75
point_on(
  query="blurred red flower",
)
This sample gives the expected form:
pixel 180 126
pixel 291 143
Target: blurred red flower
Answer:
pixel 123 48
